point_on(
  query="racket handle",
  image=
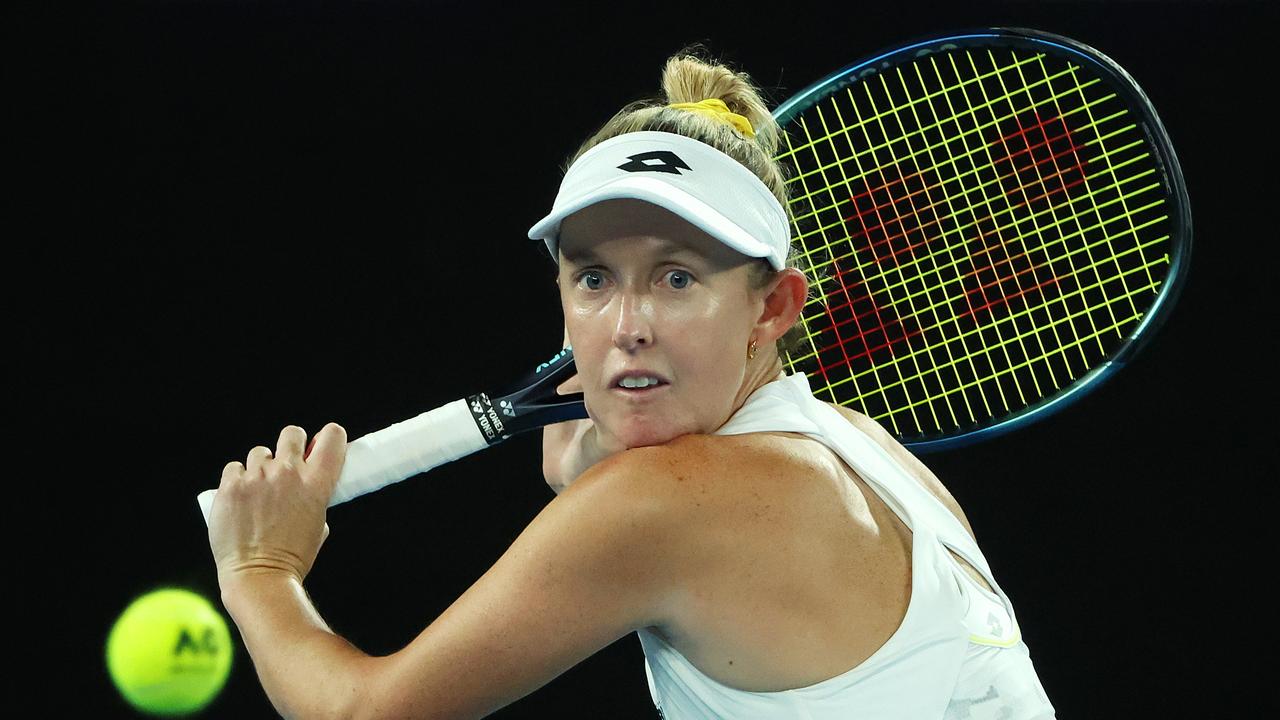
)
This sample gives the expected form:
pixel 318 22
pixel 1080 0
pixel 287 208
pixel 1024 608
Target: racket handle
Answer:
pixel 400 451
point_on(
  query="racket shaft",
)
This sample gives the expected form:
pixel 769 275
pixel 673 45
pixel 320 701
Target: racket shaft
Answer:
pixel 400 451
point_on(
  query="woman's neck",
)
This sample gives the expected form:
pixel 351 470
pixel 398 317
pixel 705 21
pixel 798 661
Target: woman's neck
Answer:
pixel 760 372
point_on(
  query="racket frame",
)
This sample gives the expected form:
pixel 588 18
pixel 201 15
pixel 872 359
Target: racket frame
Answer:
pixel 1165 158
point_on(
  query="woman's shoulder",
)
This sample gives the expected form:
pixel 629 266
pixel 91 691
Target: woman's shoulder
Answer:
pixel 688 502
pixel 695 474
pixel 689 460
pixel 707 480
pixel 708 456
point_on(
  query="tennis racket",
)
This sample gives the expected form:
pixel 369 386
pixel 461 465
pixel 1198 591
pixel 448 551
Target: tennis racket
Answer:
pixel 452 431
pixel 996 222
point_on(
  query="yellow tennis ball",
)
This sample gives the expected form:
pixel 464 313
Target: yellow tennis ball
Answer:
pixel 170 652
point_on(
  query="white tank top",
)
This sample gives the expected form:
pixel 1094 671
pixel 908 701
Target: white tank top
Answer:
pixel 958 653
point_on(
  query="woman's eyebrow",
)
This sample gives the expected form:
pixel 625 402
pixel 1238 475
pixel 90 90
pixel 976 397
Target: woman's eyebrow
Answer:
pixel 667 247
pixel 671 250
pixel 586 256
pixel 579 257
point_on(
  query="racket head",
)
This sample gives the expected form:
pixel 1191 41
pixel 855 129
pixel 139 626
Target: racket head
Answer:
pixel 996 222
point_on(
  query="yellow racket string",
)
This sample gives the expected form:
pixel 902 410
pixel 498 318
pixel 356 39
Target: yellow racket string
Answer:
pixel 995 265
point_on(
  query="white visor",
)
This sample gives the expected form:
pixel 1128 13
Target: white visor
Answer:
pixel 691 179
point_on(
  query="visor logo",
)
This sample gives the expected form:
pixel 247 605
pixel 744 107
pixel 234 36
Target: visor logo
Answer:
pixel 663 161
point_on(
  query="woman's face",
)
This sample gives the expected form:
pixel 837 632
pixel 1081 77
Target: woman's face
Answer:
pixel 646 294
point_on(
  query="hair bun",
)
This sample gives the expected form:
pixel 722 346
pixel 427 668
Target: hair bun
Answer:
pixel 689 78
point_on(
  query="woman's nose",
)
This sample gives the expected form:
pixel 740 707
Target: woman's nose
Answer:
pixel 634 328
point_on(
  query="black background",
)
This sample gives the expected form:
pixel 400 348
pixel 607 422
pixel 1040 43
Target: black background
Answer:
pixel 250 214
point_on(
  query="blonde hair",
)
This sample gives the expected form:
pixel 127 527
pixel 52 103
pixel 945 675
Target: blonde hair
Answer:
pixel 692 76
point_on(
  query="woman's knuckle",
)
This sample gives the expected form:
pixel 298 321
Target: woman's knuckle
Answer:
pixel 281 470
pixel 232 489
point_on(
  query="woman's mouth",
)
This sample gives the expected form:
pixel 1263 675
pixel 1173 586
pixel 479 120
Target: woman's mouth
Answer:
pixel 639 386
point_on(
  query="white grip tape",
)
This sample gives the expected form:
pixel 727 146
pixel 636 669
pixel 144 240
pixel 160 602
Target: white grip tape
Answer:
pixel 400 451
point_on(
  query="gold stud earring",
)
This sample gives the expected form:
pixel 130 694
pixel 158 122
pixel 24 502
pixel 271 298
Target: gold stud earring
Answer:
pixel 751 351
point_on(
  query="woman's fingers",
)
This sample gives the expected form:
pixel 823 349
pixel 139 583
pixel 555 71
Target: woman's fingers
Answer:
pixel 319 463
pixel 328 453
pixel 230 482
pixel 289 445
pixel 323 457
pixel 233 469
pixel 257 458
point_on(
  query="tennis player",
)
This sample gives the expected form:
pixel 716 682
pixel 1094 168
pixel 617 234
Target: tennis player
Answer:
pixel 779 557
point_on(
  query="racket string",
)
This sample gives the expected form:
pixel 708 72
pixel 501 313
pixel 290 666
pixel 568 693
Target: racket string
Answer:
pixel 979 188
pixel 976 206
pixel 978 129
pixel 996 374
pixel 915 214
pixel 1127 214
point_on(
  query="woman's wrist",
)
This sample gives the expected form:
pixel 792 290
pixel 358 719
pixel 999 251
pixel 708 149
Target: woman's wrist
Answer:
pixel 245 590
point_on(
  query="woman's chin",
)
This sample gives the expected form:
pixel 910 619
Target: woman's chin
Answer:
pixel 645 435
pixel 626 427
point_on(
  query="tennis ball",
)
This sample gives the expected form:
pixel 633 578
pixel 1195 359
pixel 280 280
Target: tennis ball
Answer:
pixel 169 652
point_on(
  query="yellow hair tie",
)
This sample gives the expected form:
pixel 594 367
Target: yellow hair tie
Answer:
pixel 717 110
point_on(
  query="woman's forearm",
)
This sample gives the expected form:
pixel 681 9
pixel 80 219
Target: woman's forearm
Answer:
pixel 306 670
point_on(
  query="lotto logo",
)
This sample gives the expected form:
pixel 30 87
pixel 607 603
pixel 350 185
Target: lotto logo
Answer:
pixel 663 161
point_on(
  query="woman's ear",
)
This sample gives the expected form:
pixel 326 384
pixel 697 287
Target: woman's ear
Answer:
pixel 784 300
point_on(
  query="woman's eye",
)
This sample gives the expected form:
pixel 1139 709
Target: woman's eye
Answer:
pixel 679 279
pixel 591 279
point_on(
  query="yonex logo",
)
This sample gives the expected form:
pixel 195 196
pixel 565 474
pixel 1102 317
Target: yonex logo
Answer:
pixel 507 409
pixel 657 161
pixel 487 420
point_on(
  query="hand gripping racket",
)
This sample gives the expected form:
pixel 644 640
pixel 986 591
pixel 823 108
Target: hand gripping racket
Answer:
pixel 451 431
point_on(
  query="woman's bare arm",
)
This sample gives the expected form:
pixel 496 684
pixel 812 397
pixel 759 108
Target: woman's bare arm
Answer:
pixel 591 567
pixel 306 670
